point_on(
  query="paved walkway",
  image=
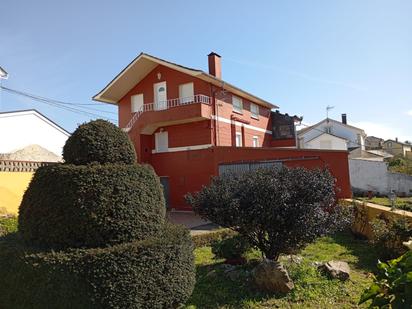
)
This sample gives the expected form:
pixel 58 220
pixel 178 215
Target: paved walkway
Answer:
pixel 192 221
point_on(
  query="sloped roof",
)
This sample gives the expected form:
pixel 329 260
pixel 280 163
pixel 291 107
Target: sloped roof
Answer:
pixel 143 64
pixel 36 113
pixel 397 142
pixel 332 120
pixel 326 133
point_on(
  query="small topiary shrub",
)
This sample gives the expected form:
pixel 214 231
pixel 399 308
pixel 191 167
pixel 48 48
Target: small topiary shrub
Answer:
pixel 276 210
pixel 93 205
pixel 92 234
pixel 233 248
pixel 98 141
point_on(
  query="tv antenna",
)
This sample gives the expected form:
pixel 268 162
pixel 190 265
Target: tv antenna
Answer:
pixel 328 108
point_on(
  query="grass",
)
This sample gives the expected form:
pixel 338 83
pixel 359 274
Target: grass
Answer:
pixel 312 289
pixel 404 203
pixel 8 225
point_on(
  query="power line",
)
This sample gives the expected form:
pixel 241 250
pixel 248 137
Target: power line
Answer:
pixel 72 107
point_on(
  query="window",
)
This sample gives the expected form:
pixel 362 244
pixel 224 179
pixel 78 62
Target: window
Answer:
pixel 254 110
pixel 237 104
pixel 238 139
pixel 255 141
pixel 161 141
pixel 186 93
pixel 136 103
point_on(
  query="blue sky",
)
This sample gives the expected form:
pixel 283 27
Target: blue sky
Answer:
pixel 301 55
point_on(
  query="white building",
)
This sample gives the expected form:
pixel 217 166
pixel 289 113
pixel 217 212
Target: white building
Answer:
pixel 332 134
pixel 19 129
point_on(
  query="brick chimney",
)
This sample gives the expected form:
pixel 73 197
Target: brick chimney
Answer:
pixel 344 120
pixel 215 67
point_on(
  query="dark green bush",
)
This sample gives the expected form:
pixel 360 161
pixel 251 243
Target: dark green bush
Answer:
pixel 231 248
pixel 155 273
pixel 98 141
pixel 388 235
pixel 276 210
pixel 91 205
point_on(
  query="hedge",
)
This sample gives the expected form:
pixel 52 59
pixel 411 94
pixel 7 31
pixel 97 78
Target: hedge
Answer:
pixel 98 141
pixel 156 273
pixel 91 205
pixel 207 239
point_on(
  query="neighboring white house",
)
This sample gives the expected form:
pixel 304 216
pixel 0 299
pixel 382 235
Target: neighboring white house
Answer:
pixel 332 134
pixel 19 129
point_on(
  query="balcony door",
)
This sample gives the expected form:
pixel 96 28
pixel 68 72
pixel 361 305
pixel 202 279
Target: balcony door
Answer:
pixel 160 95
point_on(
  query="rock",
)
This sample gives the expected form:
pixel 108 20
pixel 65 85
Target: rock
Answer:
pixel 316 264
pixel 336 269
pixel 271 276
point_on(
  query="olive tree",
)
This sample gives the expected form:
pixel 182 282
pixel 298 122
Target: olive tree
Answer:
pixel 278 210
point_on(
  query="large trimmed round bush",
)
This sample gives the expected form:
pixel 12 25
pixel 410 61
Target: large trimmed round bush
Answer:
pixel 91 205
pixel 98 141
pixel 92 233
pixel 155 273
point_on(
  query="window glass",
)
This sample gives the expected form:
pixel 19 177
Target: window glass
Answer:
pixel 238 139
pixel 255 141
pixel 186 93
pixel 237 104
pixel 254 110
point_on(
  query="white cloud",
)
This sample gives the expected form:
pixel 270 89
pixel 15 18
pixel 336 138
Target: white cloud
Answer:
pixel 381 130
pixel 409 112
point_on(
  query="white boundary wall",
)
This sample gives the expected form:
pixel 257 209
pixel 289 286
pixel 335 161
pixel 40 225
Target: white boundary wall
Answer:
pixel 367 175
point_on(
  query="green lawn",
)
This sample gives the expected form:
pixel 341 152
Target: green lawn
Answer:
pixel 404 203
pixel 312 289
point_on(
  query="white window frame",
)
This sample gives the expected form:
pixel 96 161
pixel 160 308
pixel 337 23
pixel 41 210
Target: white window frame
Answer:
pixel 238 139
pixel 136 103
pixel 254 111
pixel 238 108
pixel 255 141
pixel 159 138
pixel 184 98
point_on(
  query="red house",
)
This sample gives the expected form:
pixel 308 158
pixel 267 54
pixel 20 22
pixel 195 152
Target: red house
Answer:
pixel 191 125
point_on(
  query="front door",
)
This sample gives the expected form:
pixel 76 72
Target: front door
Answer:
pixel 160 94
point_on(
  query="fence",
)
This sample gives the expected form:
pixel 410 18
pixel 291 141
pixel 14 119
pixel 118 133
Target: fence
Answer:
pixel 238 168
pixel 20 166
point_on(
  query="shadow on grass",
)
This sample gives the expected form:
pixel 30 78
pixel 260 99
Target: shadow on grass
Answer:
pixel 214 289
pixel 366 255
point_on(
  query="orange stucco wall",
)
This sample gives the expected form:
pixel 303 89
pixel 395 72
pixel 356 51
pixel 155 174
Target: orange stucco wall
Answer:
pixel 188 171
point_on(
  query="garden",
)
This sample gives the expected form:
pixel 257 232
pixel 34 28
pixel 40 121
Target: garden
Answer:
pixel 92 233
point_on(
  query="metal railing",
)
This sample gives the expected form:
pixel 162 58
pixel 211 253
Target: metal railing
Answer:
pixel 164 105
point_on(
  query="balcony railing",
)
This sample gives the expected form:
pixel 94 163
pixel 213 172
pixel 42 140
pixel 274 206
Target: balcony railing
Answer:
pixel 164 105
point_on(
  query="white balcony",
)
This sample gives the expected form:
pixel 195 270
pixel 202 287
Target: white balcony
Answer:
pixel 165 105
